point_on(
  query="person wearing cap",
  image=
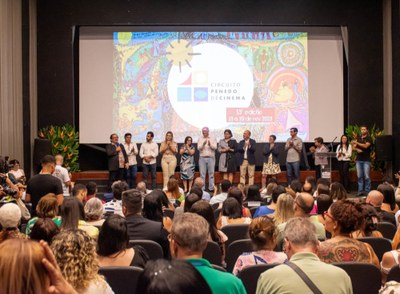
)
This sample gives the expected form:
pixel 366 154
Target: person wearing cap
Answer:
pixel 293 146
pixel 207 146
pixel 10 217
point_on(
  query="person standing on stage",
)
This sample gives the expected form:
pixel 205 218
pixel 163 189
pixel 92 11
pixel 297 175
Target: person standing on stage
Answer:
pixel 293 146
pixel 187 166
pixel 247 159
pixel 227 159
pixel 319 161
pixel 168 149
pixel 343 154
pixel 207 147
pixel 271 165
pixel 149 152
pixel 131 150
pixel 363 161
pixel 117 160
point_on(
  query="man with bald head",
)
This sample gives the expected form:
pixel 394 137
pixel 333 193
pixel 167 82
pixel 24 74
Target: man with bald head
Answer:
pixel 247 159
pixel 303 204
pixel 375 198
pixel 207 146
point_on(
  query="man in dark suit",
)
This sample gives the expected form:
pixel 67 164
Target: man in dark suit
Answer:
pixel 140 228
pixel 247 159
pixel 117 160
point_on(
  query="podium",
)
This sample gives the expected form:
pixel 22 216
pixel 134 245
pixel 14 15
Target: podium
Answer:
pixel 326 169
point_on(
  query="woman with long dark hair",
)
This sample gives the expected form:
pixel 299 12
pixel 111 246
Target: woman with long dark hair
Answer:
pixel 343 154
pixel 227 160
pixel 187 166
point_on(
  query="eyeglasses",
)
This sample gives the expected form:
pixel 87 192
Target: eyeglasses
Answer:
pixel 170 238
pixel 327 214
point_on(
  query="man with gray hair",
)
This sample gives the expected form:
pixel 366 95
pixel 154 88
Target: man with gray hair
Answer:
pixel 188 240
pixel 199 183
pixel 301 244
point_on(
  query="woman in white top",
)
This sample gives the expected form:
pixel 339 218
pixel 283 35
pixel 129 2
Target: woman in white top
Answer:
pixel 343 154
pixel 168 149
pixel 389 260
pixel 17 172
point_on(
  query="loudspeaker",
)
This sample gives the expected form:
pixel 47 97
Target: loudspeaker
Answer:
pixel 41 148
pixel 384 148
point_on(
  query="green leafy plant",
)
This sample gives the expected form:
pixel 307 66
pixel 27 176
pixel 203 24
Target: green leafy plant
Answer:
pixel 352 131
pixel 65 141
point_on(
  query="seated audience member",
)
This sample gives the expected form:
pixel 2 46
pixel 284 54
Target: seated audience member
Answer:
pixel 303 204
pixel 46 208
pixel 375 198
pixel 114 206
pixel 284 209
pixel 75 253
pixel 92 191
pixel 338 192
pixel 238 195
pixel 204 209
pixel 173 192
pixel 310 180
pixel 232 213
pixel 189 201
pixel 141 187
pixel 294 188
pixel 29 267
pixel 10 217
pixel 94 211
pixel 113 245
pixel 324 201
pixel 369 223
pixel 199 183
pixel 389 260
pixel 322 189
pixel 301 245
pixel 253 194
pixel 171 277
pixel 17 172
pixel 188 240
pixel 140 227
pixel 389 200
pixel 263 236
pixel 270 209
pixel 73 217
pixel 153 209
pixel 266 194
pixel 44 229
pixel 342 218
pixel 80 192
pixel 219 198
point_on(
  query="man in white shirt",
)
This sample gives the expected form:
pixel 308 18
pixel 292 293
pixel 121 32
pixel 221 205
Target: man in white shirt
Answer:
pixel 62 173
pixel 207 147
pixel 131 150
pixel 149 152
pixel 219 198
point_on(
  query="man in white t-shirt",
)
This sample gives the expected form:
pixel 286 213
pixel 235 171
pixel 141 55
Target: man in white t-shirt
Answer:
pixel 62 173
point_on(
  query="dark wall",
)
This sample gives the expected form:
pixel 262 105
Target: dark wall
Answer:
pixel 57 84
pixel 396 79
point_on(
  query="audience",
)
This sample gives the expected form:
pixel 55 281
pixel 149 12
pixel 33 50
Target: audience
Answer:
pixel 94 211
pixel 262 233
pixel 252 195
pixel 199 183
pixel 139 227
pixel 219 198
pixel 115 205
pixel 341 219
pixel 75 252
pixel 375 198
pixel 369 223
pixel 153 209
pixel 389 200
pixel 92 191
pixel 10 217
pixel 173 192
pixel 44 229
pixel 238 195
pixel 232 213
pixel 389 260
pixel 46 208
pixel 338 192
pixel 324 201
pixel 270 209
pixel 188 240
pixel 80 192
pixel 284 209
pixel 267 192
pixel 294 188
pixel 113 245
pixel 73 217
pixel 171 277
pixel 141 187
pixel 301 246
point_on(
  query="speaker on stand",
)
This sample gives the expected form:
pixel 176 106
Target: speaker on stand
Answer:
pixel 41 148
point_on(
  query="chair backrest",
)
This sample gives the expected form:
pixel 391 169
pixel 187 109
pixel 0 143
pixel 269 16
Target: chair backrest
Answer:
pixel 235 232
pixel 154 250
pixel 122 279
pixel 365 277
pixel 388 230
pixel 234 250
pixel 213 253
pixel 394 274
pixel 217 212
pixel 380 245
pixel 250 274
pixel 169 213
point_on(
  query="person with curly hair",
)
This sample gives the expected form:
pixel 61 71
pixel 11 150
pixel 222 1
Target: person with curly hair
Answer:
pixel 341 219
pixel 262 233
pixel 75 253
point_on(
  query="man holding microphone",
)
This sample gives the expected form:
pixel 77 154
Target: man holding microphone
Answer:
pixel 117 160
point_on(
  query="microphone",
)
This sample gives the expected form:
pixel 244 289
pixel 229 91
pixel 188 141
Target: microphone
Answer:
pixel 332 143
